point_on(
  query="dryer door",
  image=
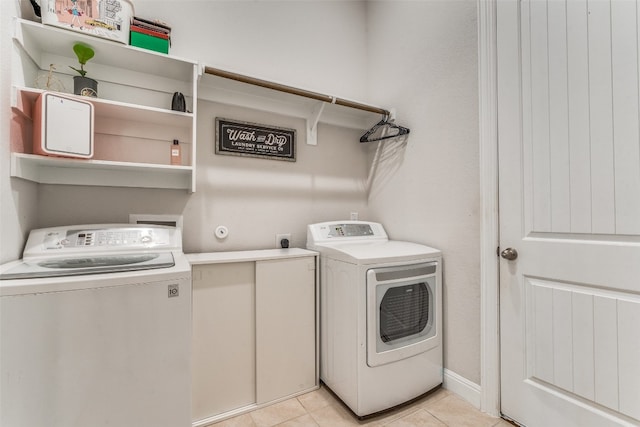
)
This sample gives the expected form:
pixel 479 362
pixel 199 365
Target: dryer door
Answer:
pixel 401 312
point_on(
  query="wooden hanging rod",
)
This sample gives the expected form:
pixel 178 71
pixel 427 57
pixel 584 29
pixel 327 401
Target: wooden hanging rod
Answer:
pixel 293 90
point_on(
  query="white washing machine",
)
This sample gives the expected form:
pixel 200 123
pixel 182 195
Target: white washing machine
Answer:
pixel 380 315
pixel 95 329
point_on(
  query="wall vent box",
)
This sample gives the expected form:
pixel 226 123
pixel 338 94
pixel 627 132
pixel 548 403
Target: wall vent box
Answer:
pixel 63 126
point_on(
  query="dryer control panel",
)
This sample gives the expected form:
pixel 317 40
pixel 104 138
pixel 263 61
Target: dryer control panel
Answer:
pixel 345 231
pixel 350 230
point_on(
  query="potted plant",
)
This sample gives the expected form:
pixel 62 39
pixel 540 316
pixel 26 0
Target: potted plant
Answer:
pixel 83 85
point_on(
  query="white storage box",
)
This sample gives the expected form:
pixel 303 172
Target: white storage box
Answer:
pixel 109 19
pixel 63 126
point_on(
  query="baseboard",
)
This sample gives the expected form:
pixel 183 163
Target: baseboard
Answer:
pixel 469 391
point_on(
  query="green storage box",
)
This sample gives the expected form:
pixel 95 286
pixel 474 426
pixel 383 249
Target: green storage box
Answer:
pixel 146 41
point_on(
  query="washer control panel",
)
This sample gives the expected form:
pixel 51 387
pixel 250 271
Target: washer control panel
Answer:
pixel 101 237
pixel 114 237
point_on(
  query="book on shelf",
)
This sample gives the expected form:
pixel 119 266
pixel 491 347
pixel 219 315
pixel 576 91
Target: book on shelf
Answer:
pixel 147 24
pixel 146 31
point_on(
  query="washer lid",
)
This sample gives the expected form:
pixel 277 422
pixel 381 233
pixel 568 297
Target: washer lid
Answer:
pixel 377 252
pixel 82 265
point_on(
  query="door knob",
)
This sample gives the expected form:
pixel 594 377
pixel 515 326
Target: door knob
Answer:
pixel 509 254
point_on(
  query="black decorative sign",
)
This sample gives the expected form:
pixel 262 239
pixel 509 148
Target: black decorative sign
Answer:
pixel 254 140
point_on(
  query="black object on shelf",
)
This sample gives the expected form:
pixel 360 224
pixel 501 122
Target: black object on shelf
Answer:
pixel 36 8
pixel 178 103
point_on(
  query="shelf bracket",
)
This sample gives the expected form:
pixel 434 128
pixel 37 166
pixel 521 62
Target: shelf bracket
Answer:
pixel 200 70
pixel 312 123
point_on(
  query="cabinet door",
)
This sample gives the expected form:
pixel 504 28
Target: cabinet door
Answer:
pixel 224 373
pixel 285 327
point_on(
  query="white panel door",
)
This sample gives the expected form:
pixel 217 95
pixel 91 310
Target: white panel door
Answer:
pixel 224 331
pixel 285 327
pixel 569 154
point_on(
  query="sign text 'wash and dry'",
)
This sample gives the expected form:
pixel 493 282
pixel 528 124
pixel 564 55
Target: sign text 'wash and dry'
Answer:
pixel 254 140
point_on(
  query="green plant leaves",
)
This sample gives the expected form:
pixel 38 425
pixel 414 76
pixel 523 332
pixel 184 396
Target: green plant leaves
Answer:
pixel 84 53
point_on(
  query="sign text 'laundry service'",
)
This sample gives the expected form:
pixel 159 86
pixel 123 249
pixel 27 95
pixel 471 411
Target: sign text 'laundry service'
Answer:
pixel 254 140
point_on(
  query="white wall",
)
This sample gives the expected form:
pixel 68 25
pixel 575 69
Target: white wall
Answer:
pixel 423 62
pixel 254 198
pixel 284 41
pixel 417 56
pixel 317 45
pixel 18 199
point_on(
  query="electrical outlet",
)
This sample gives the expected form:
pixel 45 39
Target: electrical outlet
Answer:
pixel 354 216
pixel 279 238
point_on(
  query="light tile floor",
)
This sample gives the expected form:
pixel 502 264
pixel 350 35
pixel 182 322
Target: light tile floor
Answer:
pixel 321 408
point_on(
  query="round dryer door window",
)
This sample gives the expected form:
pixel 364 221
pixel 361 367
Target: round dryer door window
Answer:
pixel 401 318
pixel 404 312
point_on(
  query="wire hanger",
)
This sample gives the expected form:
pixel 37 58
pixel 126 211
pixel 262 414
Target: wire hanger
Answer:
pixel 384 129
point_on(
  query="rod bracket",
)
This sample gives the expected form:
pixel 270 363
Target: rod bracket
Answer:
pixel 312 123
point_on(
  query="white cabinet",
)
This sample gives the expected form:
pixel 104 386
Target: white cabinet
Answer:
pixel 285 327
pixel 254 330
pixel 223 344
pixel 134 124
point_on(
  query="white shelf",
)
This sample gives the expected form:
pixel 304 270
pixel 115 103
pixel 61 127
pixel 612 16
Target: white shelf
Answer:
pixel 54 170
pixel 24 98
pixel 132 115
pixel 247 256
pixel 231 92
pixel 134 126
pixel 37 39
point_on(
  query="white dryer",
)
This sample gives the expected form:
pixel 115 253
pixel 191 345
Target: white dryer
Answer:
pixel 380 315
pixel 95 329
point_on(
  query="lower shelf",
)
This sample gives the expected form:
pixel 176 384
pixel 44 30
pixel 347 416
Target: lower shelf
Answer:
pixel 54 170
